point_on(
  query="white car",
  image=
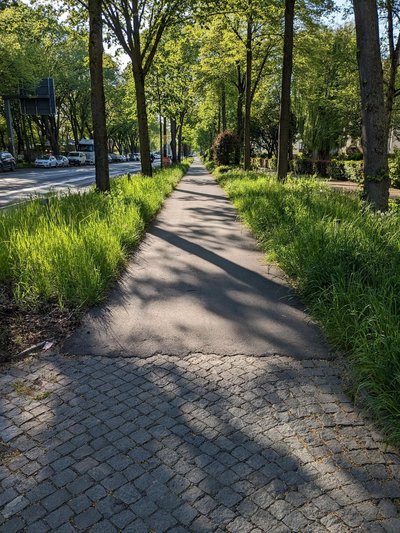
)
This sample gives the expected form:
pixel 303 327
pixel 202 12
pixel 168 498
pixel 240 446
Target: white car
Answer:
pixel 62 161
pixel 77 158
pixel 46 161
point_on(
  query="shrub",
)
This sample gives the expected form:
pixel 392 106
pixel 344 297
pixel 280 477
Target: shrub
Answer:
pixel 273 163
pixel 394 168
pixel 336 169
pixel 225 148
pixel 302 165
pixel 210 165
pixel 354 171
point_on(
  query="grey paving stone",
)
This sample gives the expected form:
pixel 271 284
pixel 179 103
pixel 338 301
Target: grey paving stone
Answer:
pixel 185 514
pixel 80 503
pixel 143 508
pixel 64 477
pixel 56 499
pixel 254 456
pixel 15 524
pixel 240 525
pixel 161 521
pixel 59 517
pixel 15 506
pixel 7 496
pixel 114 482
pixel 33 513
pixel 87 518
pixel 80 485
pixel 123 519
pixel 228 497
pixel 104 526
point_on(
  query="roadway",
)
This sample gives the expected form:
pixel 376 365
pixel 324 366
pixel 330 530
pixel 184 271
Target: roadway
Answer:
pixel 24 183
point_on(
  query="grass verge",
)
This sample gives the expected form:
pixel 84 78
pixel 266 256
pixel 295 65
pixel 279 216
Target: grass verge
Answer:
pixel 345 263
pixel 65 251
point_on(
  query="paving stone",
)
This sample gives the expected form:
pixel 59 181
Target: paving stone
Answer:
pixel 87 518
pixel 33 513
pixel 161 521
pixel 201 525
pixel 15 506
pixel 59 517
pixel 56 499
pixel 15 524
pixel 104 526
pixel 221 444
pixel 122 519
pixel 80 503
pixel 185 514
pixel 240 525
pixel 143 508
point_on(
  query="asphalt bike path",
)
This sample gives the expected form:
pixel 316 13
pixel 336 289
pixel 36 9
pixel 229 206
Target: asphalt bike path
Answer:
pixel 199 398
pixel 199 284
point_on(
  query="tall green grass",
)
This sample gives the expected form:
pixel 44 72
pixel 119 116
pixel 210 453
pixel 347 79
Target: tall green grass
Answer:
pixel 345 262
pixel 68 249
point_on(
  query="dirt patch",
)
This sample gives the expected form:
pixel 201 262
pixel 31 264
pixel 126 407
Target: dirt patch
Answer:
pixel 22 328
pixel 7 453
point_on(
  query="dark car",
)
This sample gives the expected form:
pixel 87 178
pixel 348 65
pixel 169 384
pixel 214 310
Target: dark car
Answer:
pixel 7 161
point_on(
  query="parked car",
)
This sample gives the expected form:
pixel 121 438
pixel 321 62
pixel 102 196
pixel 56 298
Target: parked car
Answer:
pixel 76 158
pixel 135 156
pixel 7 161
pixel 46 161
pixel 62 161
pixel 110 159
pixel 117 158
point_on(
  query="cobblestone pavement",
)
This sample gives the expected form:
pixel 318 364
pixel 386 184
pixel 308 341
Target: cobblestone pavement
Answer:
pixel 196 443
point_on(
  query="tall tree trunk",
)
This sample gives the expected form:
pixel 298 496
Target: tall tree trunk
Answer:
pixel 223 107
pixel 239 113
pixel 161 139
pixel 179 132
pixel 249 66
pixel 376 172
pixel 141 108
pixel 173 140
pixel 97 95
pixel 143 125
pixel 287 67
pixel 164 153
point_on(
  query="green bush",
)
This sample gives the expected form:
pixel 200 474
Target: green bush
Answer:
pixel 70 248
pixel 336 169
pixel 302 165
pixel 210 165
pixel 354 171
pixel 347 273
pixel 394 168
pixel 225 148
pixel 273 163
pixel 222 169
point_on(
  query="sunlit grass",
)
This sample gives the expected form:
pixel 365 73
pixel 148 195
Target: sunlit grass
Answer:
pixel 345 262
pixel 69 249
